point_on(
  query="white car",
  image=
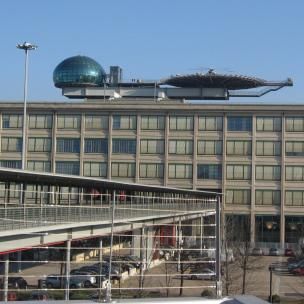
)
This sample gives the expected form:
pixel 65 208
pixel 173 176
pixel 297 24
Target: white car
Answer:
pixel 202 274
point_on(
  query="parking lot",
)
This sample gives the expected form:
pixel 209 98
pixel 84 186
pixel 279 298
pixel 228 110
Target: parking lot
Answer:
pixel 163 279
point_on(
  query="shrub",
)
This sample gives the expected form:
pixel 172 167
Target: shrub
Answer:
pixel 275 299
pixel 207 293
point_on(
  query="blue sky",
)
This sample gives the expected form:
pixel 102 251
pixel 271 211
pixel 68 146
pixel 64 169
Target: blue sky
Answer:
pixel 154 39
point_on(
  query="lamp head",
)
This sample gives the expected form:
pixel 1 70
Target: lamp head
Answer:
pixel 27 46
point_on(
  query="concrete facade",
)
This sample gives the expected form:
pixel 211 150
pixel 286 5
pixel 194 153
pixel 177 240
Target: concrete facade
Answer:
pixel 253 153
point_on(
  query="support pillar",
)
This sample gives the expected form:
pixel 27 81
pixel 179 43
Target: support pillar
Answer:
pixel 201 234
pixel 100 271
pixel 218 248
pixel 142 258
pixel 67 270
pixel 19 261
pixel 5 279
pixel 179 240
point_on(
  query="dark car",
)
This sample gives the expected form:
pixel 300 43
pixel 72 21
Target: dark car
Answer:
pixel 16 283
pixel 40 295
pixel 298 271
pixel 57 281
pixel 289 252
pixel 295 264
pixel 131 259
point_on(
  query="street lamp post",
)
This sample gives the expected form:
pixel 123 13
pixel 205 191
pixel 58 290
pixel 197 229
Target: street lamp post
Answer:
pixel 26 46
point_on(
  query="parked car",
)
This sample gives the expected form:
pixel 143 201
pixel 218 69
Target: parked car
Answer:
pixel 55 281
pixel 132 259
pixel 274 251
pixel 202 274
pixel 289 252
pixel 15 283
pixel 298 271
pixel 296 264
pixel 257 251
pixel 40 295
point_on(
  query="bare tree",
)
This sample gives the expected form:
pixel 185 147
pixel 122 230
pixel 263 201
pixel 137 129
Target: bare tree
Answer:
pixel 237 239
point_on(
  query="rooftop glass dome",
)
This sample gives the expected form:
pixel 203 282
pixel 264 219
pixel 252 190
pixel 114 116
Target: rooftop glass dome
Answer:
pixel 78 71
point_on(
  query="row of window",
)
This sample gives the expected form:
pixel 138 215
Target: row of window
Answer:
pixel 154 122
pixel 153 146
pixel 264 197
pixel 156 170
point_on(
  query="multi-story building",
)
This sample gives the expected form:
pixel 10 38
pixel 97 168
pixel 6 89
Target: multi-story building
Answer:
pixel 252 153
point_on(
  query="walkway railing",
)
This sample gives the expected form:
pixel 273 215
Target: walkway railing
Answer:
pixel 92 208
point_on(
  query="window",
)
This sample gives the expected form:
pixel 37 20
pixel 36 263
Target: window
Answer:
pixel 127 146
pixel 68 145
pixel 11 144
pixel 95 169
pixel 267 197
pixel 294 124
pixel 294 198
pixel 40 166
pixel 96 145
pixel 14 121
pixel 14 190
pixel 210 123
pixel 180 171
pixel 124 122
pixel 68 121
pixel 152 122
pixel 294 173
pixel 213 171
pixel 13 164
pixel 268 173
pixel 152 146
pixel 96 122
pixel 181 123
pixel 209 147
pixel 294 148
pixel 40 121
pixel 268 148
pixel 271 124
pixel 39 144
pixel 67 167
pixel 180 147
pixel 238 172
pixel 239 123
pixel 151 170
pixel 238 147
pixel 123 169
pixel 238 197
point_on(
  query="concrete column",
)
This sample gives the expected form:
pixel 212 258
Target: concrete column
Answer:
pixel 253 162
pixel 137 158
pixel 201 234
pixel 135 243
pixel 166 156
pixel 100 271
pixel 179 243
pixel 282 207
pixel 142 258
pixel 218 248
pixel 5 278
pixel 67 270
pixel 19 258
pixel 109 169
